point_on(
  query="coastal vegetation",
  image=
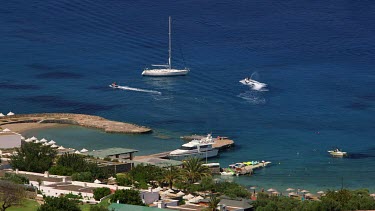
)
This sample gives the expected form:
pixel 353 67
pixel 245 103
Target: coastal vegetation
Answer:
pixel 59 204
pixel 101 192
pixel 127 197
pixel 33 157
pixel 333 200
pixel 10 194
pixel 15 178
pixel 78 167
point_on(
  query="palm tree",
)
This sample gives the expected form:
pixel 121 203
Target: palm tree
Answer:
pixel 213 202
pixel 194 170
pixel 171 175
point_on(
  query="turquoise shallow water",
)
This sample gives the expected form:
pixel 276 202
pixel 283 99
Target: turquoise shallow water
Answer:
pixel 317 58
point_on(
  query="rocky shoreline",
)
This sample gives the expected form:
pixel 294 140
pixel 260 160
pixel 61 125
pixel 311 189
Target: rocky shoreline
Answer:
pixel 84 120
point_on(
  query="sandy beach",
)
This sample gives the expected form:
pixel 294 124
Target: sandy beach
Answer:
pixel 23 127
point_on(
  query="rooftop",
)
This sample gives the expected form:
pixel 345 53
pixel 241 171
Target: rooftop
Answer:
pixel 110 151
pixel 121 207
pixel 158 162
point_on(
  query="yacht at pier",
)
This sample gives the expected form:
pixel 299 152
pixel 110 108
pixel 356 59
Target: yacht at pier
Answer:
pixel 195 148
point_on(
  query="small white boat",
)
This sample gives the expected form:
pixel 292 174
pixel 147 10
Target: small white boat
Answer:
pixel 253 83
pixel 114 85
pixel 166 70
pixel 337 153
pixel 227 173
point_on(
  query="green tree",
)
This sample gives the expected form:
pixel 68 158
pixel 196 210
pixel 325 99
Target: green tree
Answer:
pixel 59 204
pixel 232 190
pixel 73 161
pixel 33 157
pixel 61 170
pixel 10 194
pixel 101 192
pixel 143 174
pixel 170 175
pixel 83 176
pixel 127 197
pixel 194 171
pixel 213 202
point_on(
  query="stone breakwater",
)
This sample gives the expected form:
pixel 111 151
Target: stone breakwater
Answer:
pixel 84 120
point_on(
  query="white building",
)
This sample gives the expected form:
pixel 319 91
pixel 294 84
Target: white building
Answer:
pixel 9 139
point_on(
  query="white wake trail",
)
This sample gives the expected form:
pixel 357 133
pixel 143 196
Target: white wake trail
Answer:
pixel 138 90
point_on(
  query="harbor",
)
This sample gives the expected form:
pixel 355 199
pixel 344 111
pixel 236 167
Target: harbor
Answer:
pixel 83 120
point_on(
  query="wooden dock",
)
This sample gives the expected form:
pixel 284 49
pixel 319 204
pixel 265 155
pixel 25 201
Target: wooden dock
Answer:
pixel 249 169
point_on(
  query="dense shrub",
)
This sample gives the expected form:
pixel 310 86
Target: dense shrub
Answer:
pixel 127 197
pixel 61 170
pixel 59 203
pixel 101 192
pixel 33 157
pixel 15 178
pixel 83 176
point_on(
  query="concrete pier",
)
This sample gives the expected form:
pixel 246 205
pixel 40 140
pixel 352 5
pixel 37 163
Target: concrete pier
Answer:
pixel 84 120
pixel 221 144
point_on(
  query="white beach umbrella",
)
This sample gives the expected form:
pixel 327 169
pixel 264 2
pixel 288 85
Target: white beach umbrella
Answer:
pixel 43 140
pixel 28 140
pixel 253 188
pixel 189 196
pixel 157 189
pixel 199 197
pixel 84 150
pixel 6 130
pixel 77 152
pixel 320 192
pixel 10 113
pixel 61 147
pixel 289 189
pixel 373 194
pixel 275 192
pixel 97 181
pixel 33 138
pixel 308 194
pixel 305 191
pixel 37 141
pixel 180 193
pixel 292 194
pixel 54 146
pixel 1 114
pixel 52 142
pixel 44 144
pixel 271 190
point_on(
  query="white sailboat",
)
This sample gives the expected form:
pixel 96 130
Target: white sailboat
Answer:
pixel 166 70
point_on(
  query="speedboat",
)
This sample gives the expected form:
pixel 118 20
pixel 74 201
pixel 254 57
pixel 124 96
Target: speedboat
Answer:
pixel 114 85
pixel 337 153
pixel 227 172
pixel 195 148
pixel 253 83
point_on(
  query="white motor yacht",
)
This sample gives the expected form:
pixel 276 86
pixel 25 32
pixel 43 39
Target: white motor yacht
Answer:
pixel 195 148
pixel 337 153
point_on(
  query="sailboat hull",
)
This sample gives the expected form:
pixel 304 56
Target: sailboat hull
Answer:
pixel 165 72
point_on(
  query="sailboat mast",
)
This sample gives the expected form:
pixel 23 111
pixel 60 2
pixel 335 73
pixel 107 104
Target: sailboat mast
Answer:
pixel 170 44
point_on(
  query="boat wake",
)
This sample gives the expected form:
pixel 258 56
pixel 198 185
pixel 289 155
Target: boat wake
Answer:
pixel 136 89
pixel 252 97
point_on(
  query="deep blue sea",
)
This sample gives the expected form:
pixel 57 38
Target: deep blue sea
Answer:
pixel 317 58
